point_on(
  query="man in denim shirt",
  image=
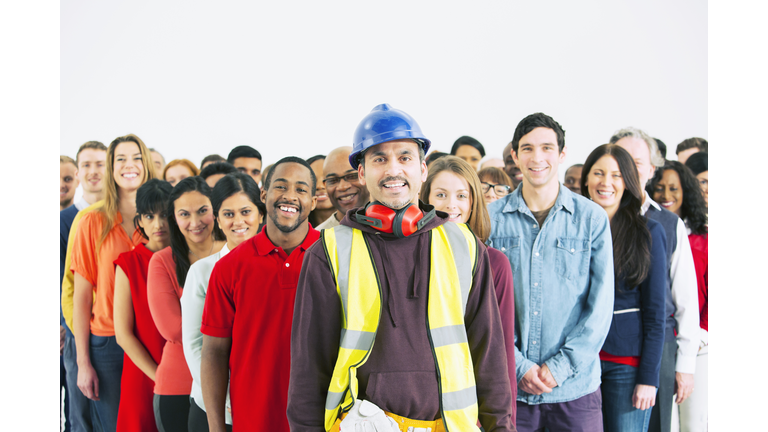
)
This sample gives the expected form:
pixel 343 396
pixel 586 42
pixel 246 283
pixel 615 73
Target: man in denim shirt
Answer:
pixel 559 245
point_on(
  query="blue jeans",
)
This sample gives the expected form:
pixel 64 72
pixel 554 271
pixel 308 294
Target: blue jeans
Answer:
pixel 107 360
pixel 618 386
pixel 79 407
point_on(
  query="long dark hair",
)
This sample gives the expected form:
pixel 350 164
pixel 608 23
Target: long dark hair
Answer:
pixel 234 183
pixel 693 210
pixel 631 238
pixel 179 244
pixel 151 198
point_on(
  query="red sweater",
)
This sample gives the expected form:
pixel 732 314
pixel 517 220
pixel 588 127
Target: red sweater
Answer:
pixel 700 250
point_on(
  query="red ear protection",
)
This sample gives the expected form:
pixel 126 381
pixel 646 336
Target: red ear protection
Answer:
pixel 402 222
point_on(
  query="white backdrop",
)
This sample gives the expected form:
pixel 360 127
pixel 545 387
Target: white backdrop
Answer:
pixel 295 78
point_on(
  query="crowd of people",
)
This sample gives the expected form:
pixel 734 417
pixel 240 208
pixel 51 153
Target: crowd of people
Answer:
pixel 387 286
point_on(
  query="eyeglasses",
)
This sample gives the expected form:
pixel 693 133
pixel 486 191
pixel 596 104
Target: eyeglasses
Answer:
pixel 333 181
pixel 498 189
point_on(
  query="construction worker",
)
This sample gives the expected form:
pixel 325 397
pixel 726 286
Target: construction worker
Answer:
pixel 396 322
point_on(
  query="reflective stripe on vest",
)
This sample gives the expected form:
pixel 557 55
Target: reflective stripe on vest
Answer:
pixel 453 257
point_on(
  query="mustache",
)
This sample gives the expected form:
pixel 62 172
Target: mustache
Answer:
pixel 279 203
pixel 389 179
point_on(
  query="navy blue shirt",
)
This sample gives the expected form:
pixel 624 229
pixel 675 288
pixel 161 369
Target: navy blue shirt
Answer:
pixel 67 216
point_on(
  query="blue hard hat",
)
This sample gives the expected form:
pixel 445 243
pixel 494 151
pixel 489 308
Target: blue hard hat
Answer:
pixel 383 124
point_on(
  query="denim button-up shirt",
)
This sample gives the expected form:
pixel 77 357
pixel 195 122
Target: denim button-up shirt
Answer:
pixel 563 278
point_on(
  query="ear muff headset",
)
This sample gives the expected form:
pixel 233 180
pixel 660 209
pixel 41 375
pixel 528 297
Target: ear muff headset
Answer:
pixel 402 222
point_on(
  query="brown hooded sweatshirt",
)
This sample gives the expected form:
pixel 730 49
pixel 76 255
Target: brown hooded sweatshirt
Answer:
pixel 400 375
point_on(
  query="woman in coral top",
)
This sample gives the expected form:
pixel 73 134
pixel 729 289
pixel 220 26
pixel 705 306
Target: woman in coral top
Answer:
pixel 676 187
pixel 630 358
pixel 194 236
pixel 102 235
pixel 135 330
pixel 238 209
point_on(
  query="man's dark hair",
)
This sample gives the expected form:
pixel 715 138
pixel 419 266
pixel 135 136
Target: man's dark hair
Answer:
pixel 699 143
pixel 534 121
pixel 315 158
pixel 662 147
pixel 217 168
pixel 467 140
pixel 212 158
pixel 435 156
pixel 698 163
pixel 243 151
pixel 292 159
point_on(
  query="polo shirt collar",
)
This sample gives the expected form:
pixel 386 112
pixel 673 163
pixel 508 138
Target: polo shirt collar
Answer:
pixel 264 245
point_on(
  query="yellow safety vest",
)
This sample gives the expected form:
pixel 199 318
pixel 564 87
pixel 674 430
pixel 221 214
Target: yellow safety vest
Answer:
pixel 452 266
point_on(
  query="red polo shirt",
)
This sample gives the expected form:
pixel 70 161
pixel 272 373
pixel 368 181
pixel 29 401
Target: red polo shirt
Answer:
pixel 250 298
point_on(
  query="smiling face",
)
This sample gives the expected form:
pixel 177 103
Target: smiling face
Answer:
pixel 155 227
pixel 393 173
pixel 342 181
pixel 194 216
pixel 470 154
pixel 510 167
pixel 450 193
pixel 605 184
pixel 239 218
pixel 538 157
pixel 177 173
pixel 90 172
pixel 128 166
pixel 323 203
pixel 668 192
pixel 68 184
pixel 573 179
pixel 289 199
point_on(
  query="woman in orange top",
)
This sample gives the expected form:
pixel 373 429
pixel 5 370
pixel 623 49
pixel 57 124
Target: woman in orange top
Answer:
pixel 101 237
pixel 194 236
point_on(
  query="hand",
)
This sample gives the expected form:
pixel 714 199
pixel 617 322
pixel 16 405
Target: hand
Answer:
pixel 531 383
pixel 88 381
pixel 683 386
pixel 644 397
pixel 545 375
pixel 62 333
pixel 367 417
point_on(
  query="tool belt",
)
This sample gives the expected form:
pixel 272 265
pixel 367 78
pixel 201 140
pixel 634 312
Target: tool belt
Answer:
pixel 405 424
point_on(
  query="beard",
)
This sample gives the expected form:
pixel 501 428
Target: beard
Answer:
pixel 292 227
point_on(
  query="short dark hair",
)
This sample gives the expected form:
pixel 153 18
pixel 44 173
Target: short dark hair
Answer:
pixel 467 140
pixel 291 159
pixel 233 183
pixel 243 151
pixel 662 147
pixel 218 168
pixel 96 145
pixel 699 143
pixel 575 166
pixel 151 198
pixel 537 120
pixel 435 156
pixel 212 158
pixel 698 162
pixel 315 158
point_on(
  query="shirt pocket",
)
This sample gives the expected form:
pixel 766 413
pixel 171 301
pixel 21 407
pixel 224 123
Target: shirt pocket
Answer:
pixel 509 246
pixel 572 258
pixel 628 323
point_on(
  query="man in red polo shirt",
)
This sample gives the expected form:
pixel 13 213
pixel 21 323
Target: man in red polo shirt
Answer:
pixel 249 308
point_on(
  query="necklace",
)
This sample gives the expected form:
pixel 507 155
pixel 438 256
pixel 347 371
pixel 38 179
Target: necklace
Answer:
pixel 209 252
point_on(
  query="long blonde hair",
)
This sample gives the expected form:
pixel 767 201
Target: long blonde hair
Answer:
pixel 110 205
pixel 479 221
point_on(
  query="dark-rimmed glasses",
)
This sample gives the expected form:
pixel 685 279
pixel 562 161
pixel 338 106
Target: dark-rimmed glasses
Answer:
pixel 498 189
pixel 333 181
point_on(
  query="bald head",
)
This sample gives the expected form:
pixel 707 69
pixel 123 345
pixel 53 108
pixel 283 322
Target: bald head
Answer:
pixel 342 183
pixel 492 162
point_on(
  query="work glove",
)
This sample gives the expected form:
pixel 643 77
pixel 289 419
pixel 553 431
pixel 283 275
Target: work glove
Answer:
pixel 367 417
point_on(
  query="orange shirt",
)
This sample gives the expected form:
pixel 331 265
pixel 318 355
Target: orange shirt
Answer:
pixel 99 269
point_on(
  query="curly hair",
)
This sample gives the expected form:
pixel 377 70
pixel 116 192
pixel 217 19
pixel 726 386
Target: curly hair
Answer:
pixel 693 209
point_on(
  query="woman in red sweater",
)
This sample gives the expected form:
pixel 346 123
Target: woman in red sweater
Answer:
pixel 135 330
pixel 194 236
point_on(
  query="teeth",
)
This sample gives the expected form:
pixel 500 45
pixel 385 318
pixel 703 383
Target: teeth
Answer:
pixel 394 185
pixel 347 199
pixel 537 169
pixel 240 231
pixel 130 175
pixel 288 209
pixel 605 193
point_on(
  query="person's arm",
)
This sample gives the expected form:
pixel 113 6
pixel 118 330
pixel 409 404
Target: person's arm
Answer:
pixel 124 321
pixel 653 313
pixel 585 340
pixel 164 304
pixel 315 335
pixel 192 303
pixel 686 300
pixel 214 371
pixel 503 282
pixel 87 381
pixel 486 345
